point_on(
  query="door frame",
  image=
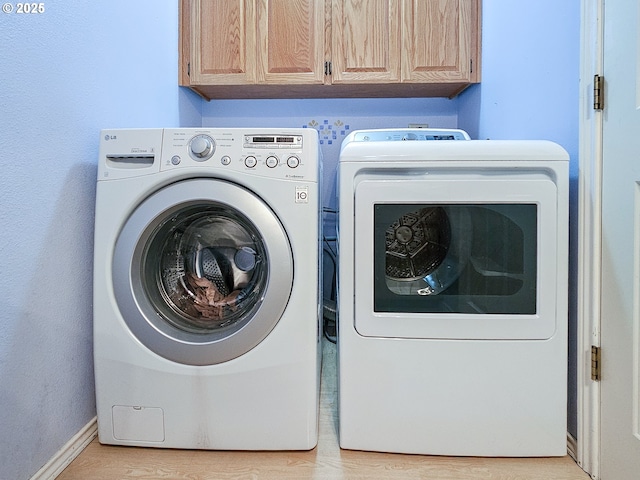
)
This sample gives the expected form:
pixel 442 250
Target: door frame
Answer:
pixel 587 449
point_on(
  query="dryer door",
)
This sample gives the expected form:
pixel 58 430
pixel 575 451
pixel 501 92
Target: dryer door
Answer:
pixel 459 255
pixel 202 271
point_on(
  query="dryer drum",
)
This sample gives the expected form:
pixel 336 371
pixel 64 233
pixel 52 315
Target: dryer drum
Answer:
pixel 417 243
pixel 426 247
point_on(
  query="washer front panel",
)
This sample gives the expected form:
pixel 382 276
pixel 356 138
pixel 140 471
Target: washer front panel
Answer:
pixel 202 271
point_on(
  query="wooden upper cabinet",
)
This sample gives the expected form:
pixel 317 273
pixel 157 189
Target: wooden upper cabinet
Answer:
pixel 222 42
pixel 329 48
pixel 291 43
pixel 244 42
pixel 440 41
pixel 366 41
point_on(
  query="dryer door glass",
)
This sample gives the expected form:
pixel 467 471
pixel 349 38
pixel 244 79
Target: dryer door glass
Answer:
pixel 449 258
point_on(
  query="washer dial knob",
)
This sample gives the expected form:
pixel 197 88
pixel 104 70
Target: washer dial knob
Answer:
pixel 201 147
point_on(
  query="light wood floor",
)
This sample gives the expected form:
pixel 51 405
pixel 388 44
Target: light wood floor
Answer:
pixel 326 461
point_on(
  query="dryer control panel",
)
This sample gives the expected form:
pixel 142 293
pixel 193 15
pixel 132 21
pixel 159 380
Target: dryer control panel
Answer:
pixel 407 134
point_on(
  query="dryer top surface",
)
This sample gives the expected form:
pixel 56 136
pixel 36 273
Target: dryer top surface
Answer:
pixel 472 150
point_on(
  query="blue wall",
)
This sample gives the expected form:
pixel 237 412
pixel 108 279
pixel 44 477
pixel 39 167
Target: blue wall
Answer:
pixel 83 66
pixel 65 74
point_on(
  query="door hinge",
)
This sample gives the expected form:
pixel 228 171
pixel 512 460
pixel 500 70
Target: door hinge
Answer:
pixel 327 68
pixel 596 363
pixel 598 92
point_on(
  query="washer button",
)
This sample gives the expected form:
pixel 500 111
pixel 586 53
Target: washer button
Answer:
pixel 226 160
pixel 293 162
pixel 250 161
pixel 272 161
pixel 175 160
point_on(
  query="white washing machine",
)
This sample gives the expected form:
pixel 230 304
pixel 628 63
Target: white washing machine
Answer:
pixel 452 295
pixel 206 288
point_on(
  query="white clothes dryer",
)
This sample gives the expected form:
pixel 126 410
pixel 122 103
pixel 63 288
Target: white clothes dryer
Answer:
pixel 452 295
pixel 206 288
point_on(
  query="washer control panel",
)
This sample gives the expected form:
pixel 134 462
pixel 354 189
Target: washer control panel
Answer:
pixel 288 154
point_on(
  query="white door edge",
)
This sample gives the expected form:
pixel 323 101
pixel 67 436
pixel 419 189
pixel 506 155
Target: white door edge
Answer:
pixel 589 238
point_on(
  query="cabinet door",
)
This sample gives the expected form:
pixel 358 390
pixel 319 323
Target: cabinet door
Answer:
pixel 365 41
pixel 440 41
pixel 222 42
pixel 291 41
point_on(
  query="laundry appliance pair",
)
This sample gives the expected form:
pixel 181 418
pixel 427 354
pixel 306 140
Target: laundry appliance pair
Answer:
pixel 452 291
pixel 452 294
pixel 206 288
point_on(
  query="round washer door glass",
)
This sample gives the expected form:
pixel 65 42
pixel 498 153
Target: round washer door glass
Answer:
pixel 202 271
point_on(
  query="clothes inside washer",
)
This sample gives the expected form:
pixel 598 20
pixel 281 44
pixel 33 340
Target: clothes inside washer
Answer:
pixel 210 269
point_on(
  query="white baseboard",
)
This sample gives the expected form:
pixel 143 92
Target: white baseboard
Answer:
pixel 68 452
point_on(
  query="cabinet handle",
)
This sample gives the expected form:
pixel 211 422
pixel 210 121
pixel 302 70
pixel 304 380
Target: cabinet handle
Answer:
pixel 327 68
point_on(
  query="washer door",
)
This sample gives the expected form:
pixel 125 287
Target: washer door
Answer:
pixel 202 271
